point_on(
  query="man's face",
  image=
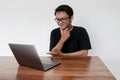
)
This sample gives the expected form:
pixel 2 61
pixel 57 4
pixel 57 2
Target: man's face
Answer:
pixel 63 20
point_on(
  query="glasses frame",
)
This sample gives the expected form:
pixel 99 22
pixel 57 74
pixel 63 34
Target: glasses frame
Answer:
pixel 61 20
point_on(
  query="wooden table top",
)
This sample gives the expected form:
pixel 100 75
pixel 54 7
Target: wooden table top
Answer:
pixel 82 68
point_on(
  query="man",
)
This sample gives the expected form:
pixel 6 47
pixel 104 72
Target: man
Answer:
pixel 68 40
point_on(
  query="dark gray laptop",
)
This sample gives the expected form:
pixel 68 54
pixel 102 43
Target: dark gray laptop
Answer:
pixel 26 55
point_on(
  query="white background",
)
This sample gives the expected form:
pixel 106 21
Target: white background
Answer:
pixel 31 21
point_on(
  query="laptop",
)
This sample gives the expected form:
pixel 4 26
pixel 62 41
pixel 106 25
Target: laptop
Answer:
pixel 27 56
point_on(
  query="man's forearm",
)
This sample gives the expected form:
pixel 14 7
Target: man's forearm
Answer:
pixel 59 45
pixel 76 54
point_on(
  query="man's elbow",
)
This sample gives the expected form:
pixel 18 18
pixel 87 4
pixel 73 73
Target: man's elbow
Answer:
pixel 84 53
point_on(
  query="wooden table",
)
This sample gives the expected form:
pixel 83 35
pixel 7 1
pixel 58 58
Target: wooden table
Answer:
pixel 84 68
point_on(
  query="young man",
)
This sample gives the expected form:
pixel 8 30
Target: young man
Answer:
pixel 68 40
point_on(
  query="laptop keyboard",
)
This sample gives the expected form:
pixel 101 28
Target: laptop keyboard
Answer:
pixel 47 65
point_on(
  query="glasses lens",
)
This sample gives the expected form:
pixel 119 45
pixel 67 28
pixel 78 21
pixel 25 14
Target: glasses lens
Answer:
pixel 62 19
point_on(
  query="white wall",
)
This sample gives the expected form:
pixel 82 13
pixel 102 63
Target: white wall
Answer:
pixel 30 22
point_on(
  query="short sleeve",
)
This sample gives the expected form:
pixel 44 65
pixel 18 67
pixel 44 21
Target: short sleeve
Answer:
pixel 84 41
pixel 54 38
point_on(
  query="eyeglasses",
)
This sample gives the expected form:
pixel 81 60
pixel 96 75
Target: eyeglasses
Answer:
pixel 62 19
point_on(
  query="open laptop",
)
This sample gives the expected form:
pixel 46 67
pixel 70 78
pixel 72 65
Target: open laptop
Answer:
pixel 26 55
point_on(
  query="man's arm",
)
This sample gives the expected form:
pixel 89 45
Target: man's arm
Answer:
pixel 80 53
pixel 76 54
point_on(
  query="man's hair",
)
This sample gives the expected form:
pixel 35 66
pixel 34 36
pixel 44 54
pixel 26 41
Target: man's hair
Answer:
pixel 64 8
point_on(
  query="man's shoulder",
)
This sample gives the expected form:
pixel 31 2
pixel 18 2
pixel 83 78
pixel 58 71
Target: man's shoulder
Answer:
pixel 79 28
pixel 55 30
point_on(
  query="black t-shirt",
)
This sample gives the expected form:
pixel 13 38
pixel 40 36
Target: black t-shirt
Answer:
pixel 78 40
